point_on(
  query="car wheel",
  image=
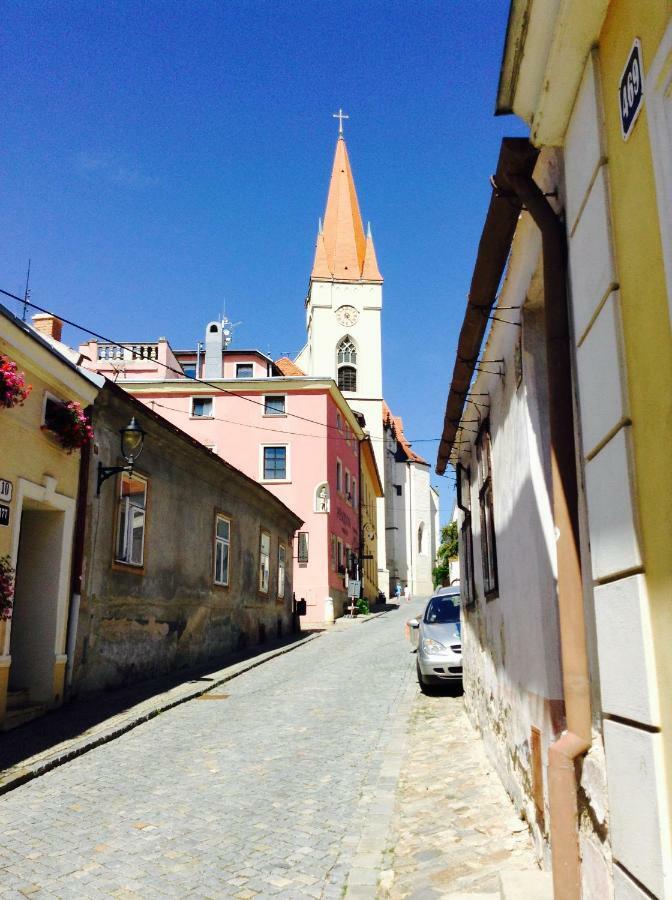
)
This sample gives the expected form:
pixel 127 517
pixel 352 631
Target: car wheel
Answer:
pixel 424 686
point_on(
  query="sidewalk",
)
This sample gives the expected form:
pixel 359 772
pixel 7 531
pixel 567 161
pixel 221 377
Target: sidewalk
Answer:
pixel 71 730
pixel 454 830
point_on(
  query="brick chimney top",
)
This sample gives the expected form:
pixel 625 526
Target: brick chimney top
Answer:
pixel 48 325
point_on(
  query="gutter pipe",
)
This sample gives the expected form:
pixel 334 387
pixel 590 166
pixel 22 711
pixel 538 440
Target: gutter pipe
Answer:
pixel 577 739
pixel 513 189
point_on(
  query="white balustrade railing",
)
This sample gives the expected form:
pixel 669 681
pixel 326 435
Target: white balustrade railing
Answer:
pixel 128 351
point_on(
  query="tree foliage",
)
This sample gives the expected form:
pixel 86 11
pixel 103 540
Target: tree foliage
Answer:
pixel 448 549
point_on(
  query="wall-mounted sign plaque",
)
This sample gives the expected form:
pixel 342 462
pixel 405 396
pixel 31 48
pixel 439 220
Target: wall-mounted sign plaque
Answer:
pixel 631 89
pixel 5 490
pixel 4 514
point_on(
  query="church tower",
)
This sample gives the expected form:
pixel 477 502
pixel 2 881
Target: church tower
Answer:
pixel 343 315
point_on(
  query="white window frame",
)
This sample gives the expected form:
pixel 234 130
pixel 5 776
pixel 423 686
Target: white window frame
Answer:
pixel 245 377
pixel 275 415
pixel 264 570
pixel 339 476
pixel 346 485
pixel 226 542
pixel 199 398
pixel 128 541
pixel 658 96
pixel 282 570
pixel 288 471
pixel 354 492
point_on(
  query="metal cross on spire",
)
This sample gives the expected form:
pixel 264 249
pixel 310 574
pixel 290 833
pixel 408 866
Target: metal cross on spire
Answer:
pixel 340 115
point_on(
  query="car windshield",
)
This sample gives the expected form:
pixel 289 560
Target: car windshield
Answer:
pixel 441 610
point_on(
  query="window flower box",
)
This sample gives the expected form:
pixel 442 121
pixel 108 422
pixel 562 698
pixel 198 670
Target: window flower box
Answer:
pixel 70 425
pixel 13 388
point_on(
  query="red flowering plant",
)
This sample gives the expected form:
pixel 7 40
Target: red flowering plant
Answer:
pixel 13 388
pixel 70 425
pixel 6 588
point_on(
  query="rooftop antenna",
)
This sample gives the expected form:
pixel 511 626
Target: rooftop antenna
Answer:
pixel 227 327
pixel 26 294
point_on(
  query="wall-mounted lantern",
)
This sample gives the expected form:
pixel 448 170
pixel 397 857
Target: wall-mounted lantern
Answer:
pixel 132 443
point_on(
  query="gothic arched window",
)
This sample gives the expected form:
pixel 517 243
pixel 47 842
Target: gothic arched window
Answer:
pixel 421 534
pixel 346 362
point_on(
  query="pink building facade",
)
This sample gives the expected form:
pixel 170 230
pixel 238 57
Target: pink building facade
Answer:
pixel 296 435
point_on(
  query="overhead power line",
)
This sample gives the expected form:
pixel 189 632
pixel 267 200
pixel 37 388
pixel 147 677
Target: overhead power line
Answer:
pixel 215 387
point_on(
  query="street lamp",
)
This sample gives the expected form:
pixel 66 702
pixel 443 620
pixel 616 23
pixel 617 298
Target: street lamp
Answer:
pixel 132 443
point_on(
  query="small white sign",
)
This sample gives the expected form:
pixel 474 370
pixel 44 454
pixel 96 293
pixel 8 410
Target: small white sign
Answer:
pixel 5 490
pixel 354 587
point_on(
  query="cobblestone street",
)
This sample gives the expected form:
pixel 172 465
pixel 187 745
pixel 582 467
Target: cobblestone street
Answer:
pixel 280 782
pixel 454 830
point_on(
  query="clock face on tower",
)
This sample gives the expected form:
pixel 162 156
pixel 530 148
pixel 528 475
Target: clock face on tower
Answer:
pixel 347 315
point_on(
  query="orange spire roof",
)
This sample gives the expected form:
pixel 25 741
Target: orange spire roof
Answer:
pixel 342 248
pixel 370 270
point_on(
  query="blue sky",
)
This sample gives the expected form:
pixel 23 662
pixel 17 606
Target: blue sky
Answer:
pixel 163 158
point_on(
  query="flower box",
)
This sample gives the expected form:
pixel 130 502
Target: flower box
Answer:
pixel 69 424
pixel 13 388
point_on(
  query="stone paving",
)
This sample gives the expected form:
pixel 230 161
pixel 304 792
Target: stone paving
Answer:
pixel 300 777
pixel 454 829
pixel 266 786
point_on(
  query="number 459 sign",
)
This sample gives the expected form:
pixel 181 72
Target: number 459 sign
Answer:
pixel 631 89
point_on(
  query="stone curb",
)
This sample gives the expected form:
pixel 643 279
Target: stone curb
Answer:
pixel 117 725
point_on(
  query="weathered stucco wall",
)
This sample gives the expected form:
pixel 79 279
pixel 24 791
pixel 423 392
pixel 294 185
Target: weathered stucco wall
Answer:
pixel 135 623
pixel 511 646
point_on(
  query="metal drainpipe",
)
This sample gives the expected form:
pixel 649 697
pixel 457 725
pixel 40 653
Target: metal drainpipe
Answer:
pixel 77 561
pixel 577 739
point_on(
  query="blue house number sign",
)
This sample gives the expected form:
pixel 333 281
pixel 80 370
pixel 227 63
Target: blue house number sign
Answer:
pixel 631 89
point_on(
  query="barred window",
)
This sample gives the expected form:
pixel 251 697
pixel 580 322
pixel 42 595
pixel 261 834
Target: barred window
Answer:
pixel 346 360
pixel 347 378
pixel 488 542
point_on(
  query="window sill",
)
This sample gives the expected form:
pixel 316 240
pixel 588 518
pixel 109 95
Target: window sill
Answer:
pixel 275 481
pixel 216 586
pixel 274 415
pixel 198 418
pixel 131 568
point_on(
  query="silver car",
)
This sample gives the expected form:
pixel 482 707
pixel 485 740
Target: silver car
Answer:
pixel 438 638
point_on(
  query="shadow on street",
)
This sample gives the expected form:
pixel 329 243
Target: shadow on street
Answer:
pixel 81 713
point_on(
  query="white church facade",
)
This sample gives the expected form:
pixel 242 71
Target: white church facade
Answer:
pixel 344 342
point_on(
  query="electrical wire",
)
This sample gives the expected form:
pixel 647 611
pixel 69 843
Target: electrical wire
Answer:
pixel 180 372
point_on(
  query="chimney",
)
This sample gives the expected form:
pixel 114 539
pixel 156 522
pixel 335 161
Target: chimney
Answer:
pixel 48 325
pixel 213 351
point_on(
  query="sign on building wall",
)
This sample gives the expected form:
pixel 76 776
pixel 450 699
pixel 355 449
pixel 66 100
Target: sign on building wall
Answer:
pixel 5 490
pixel 631 89
pixel 4 514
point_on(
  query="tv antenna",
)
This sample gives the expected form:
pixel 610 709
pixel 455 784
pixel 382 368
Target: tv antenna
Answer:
pixel 26 294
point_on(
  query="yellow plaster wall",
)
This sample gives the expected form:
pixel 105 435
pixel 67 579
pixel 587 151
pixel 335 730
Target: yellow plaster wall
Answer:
pixel 27 452
pixel 367 490
pixel 646 323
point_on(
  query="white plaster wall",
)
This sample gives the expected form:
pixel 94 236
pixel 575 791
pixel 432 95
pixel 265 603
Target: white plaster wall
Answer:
pixel 326 332
pixel 511 643
pixel 319 358
pixel 601 373
pixel 420 510
pixel 613 535
pixel 634 771
pixel 624 633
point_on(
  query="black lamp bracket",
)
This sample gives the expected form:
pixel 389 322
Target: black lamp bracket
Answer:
pixel 105 472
